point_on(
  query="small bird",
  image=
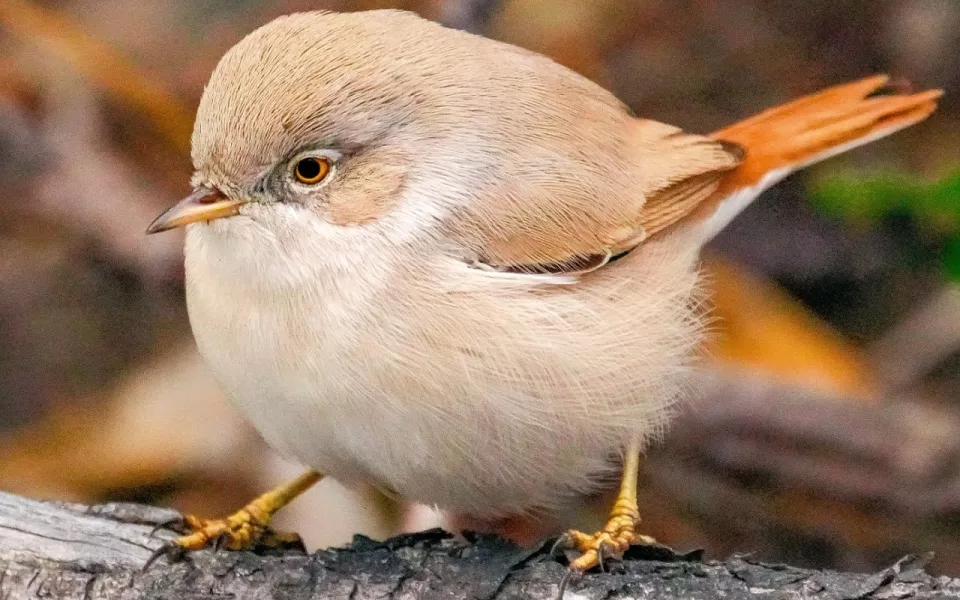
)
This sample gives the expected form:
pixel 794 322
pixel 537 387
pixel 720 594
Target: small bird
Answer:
pixel 451 268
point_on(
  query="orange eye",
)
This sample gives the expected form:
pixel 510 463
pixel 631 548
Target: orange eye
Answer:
pixel 311 170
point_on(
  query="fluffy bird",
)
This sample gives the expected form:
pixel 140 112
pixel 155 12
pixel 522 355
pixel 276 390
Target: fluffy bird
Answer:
pixel 453 269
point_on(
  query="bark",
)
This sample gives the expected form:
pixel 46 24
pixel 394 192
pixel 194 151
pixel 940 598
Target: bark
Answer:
pixel 54 550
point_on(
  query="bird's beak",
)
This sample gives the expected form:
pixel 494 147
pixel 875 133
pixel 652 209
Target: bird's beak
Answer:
pixel 203 204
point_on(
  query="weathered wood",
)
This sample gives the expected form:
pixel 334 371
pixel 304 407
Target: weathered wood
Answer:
pixel 53 550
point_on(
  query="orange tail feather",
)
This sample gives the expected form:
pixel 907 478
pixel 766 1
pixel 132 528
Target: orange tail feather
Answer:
pixel 792 136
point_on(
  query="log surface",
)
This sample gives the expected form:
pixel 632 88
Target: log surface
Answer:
pixel 56 550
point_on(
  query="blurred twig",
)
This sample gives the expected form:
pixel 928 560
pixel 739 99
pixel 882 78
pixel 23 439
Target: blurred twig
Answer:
pixel 918 344
pixel 102 64
pixel 808 476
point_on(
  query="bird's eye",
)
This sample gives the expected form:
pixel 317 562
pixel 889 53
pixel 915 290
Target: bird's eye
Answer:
pixel 311 170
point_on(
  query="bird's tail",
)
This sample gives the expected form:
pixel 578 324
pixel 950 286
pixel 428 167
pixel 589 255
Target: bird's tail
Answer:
pixel 795 135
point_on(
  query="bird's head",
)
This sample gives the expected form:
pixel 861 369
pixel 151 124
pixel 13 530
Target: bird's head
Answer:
pixel 314 112
pixel 384 124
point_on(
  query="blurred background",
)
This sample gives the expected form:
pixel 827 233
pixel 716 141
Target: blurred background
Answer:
pixel 828 431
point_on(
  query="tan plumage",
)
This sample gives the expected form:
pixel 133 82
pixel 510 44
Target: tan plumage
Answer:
pixel 433 318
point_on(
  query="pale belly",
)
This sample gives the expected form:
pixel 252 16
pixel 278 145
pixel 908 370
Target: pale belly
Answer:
pixel 489 402
pixel 355 423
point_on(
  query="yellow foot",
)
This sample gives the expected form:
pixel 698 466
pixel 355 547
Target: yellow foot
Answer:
pixel 246 528
pixel 609 543
pixel 617 535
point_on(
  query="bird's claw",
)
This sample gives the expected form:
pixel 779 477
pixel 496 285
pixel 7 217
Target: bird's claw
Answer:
pixel 242 530
pixel 176 524
pixel 171 550
pixel 564 542
pixel 610 542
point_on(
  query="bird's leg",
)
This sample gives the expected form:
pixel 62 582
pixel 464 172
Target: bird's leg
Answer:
pixel 621 528
pixel 244 528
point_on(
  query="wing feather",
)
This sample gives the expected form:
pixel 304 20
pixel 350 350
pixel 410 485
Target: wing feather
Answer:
pixel 672 172
pixel 682 178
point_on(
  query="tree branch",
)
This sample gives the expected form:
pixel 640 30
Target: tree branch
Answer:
pixel 55 550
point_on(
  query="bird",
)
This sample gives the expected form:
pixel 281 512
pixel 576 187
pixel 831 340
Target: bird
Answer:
pixel 453 269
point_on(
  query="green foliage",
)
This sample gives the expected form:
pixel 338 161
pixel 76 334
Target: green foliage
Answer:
pixel 936 204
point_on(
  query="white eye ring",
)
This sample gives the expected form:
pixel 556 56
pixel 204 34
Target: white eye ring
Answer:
pixel 311 169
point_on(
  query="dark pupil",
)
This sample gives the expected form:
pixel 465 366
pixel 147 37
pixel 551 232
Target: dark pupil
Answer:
pixel 309 168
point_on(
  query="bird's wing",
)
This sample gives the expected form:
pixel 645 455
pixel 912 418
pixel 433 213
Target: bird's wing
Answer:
pixel 678 171
pixel 551 231
pixel 703 182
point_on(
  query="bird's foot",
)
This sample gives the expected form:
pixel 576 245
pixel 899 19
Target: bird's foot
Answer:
pixel 611 542
pixel 246 528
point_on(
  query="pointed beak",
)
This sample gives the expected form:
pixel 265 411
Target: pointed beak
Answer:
pixel 203 204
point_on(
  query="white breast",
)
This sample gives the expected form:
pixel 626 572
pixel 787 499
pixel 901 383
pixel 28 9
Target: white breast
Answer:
pixel 446 385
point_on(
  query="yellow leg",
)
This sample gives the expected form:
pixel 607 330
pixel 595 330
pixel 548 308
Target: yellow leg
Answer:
pixel 244 528
pixel 620 531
